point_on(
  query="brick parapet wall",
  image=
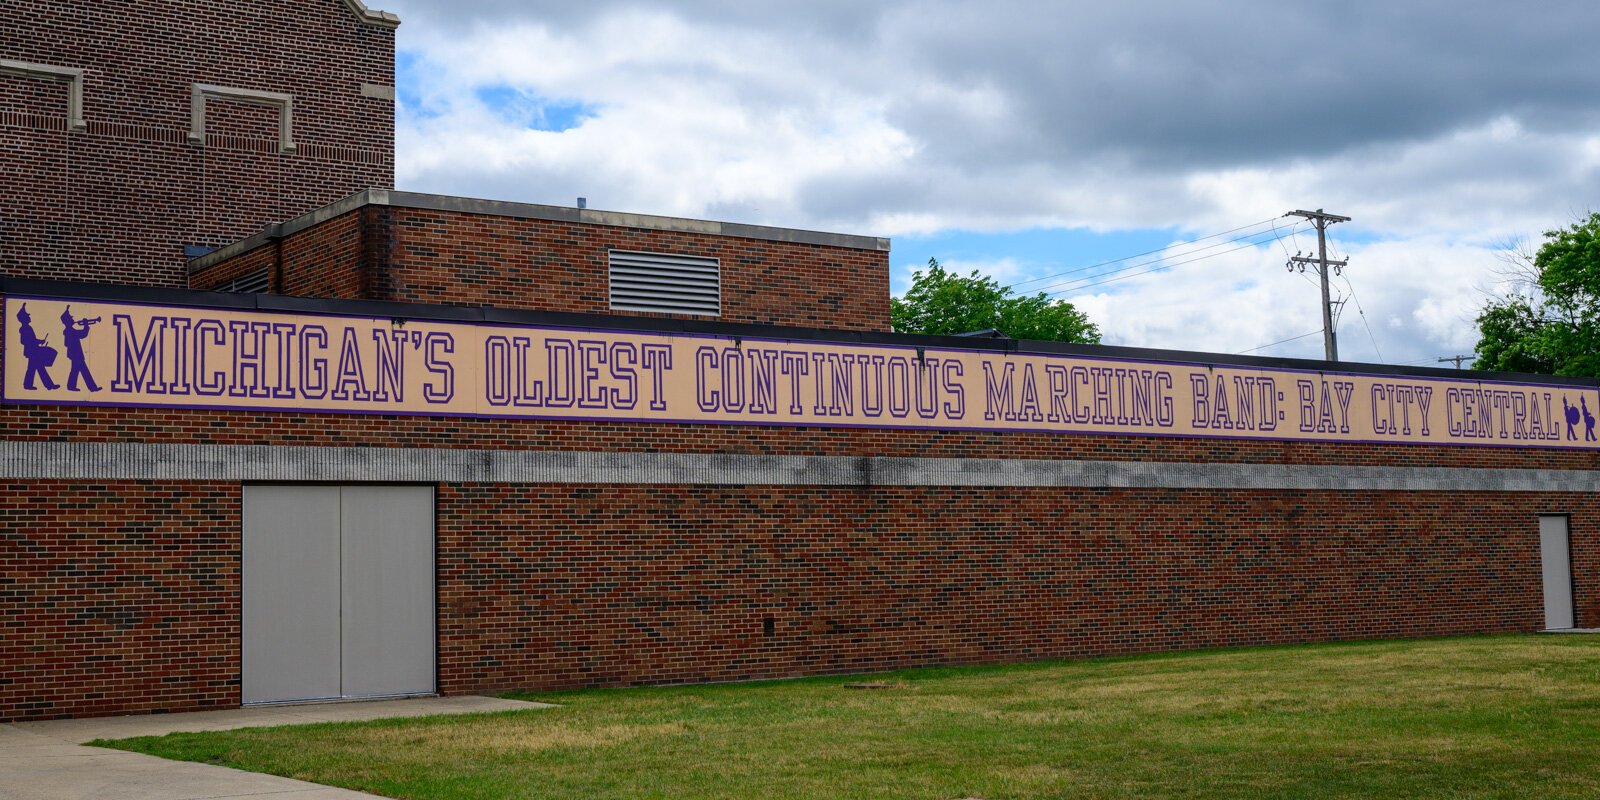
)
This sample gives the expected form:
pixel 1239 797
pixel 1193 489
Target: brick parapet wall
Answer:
pixel 324 261
pixel 334 242
pixel 482 260
pixel 117 201
pixel 257 260
pixel 473 259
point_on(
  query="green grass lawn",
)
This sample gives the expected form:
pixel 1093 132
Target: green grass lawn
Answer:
pixel 1497 716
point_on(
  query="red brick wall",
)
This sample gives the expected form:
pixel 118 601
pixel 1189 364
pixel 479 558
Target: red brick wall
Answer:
pixel 481 260
pixel 669 583
pixel 466 259
pixel 328 260
pixel 119 597
pixel 261 258
pixel 324 261
pixel 118 201
pixel 127 593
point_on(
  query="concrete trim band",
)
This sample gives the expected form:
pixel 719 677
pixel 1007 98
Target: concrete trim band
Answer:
pixel 373 16
pixel 202 462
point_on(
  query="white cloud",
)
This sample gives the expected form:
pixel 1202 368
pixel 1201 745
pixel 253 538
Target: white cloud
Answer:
pixel 1418 297
pixel 899 118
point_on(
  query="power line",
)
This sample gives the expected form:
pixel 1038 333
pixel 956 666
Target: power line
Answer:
pixel 1363 313
pixel 1079 284
pixel 1249 237
pixel 1275 344
pixel 1141 255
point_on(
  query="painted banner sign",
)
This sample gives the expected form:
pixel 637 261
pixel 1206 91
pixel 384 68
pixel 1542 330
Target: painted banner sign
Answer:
pixel 97 353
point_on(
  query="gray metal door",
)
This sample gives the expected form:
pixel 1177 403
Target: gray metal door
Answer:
pixel 290 621
pixel 337 591
pixel 387 549
pixel 1556 557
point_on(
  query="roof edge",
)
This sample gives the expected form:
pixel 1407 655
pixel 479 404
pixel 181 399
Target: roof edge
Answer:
pixel 501 208
pixel 276 230
pixel 621 219
pixel 373 16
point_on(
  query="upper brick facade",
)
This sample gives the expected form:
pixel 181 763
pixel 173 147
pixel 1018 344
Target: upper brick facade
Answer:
pixel 118 198
pixel 418 248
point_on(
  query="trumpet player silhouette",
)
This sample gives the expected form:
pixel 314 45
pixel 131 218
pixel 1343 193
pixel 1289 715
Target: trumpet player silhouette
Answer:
pixel 73 333
pixel 38 353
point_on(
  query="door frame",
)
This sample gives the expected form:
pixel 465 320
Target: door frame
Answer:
pixel 239 651
pixel 1572 600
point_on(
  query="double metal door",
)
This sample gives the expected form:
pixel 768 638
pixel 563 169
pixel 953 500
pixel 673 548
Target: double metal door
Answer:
pixel 338 592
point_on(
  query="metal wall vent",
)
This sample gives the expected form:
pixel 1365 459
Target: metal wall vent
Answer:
pixel 249 283
pixel 669 284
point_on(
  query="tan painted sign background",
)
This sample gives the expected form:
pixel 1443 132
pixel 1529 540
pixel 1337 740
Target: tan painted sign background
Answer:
pixel 97 353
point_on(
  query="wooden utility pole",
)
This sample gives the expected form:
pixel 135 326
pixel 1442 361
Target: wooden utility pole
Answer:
pixel 1330 342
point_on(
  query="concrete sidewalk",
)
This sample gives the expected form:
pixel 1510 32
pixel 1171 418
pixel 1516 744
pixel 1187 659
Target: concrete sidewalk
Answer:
pixel 46 760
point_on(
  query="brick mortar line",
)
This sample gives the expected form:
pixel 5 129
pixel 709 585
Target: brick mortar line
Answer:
pixel 202 462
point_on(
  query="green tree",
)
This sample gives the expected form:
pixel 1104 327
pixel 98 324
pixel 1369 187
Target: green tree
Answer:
pixel 1550 323
pixel 942 302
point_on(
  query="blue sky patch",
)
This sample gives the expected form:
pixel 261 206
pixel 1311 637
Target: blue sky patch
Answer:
pixel 408 69
pixel 522 107
pixel 1037 251
pixel 533 111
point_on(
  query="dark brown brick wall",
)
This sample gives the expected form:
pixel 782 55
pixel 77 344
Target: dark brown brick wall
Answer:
pixel 126 593
pixel 325 261
pixel 467 259
pixel 119 597
pixel 261 258
pixel 117 201
pixel 555 587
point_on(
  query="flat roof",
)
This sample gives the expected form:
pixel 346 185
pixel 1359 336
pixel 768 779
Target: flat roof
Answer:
pixel 499 208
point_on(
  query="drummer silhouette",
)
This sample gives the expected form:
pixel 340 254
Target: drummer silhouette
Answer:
pixel 73 333
pixel 38 353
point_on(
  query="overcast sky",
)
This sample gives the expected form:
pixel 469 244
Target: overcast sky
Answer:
pixel 1034 139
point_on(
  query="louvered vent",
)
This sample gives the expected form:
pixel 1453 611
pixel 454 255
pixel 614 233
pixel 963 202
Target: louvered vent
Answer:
pixel 250 283
pixel 670 284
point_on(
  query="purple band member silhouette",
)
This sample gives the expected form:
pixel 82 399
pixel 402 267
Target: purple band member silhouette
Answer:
pixel 73 333
pixel 1588 420
pixel 38 353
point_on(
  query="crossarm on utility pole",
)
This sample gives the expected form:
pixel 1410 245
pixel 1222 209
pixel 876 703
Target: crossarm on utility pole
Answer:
pixel 1321 219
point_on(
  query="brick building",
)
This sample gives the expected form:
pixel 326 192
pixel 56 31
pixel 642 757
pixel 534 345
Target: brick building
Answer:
pixel 426 444
pixel 137 134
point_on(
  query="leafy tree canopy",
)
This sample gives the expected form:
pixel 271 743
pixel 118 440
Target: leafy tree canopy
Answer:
pixel 1550 323
pixel 942 302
